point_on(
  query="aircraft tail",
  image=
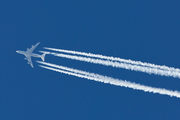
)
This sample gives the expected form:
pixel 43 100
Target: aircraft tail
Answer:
pixel 43 56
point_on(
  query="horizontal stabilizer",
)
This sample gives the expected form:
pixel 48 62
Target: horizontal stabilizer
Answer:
pixel 43 56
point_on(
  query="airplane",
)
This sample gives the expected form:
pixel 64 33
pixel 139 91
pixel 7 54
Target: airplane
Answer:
pixel 28 54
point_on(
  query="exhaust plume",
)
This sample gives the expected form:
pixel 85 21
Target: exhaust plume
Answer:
pixel 116 59
pixel 110 80
pixel 133 67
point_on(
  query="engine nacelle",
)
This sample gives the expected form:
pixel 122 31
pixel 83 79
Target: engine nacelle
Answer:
pixel 28 62
pixel 25 58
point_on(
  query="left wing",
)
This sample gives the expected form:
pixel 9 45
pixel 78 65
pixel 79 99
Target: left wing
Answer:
pixel 30 62
pixel 32 48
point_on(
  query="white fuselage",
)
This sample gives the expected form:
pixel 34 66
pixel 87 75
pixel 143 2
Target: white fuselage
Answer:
pixel 28 54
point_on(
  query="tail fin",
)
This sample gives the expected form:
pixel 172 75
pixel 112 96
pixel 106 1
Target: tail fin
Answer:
pixel 43 56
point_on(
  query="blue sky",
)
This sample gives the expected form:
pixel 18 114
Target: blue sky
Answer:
pixel 146 31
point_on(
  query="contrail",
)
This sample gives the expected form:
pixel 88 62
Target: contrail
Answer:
pixel 145 69
pixel 105 79
pixel 139 63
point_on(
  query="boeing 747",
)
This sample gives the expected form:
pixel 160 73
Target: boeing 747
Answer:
pixel 28 54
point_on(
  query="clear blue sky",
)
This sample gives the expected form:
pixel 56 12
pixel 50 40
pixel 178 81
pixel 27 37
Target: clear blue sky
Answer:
pixel 147 31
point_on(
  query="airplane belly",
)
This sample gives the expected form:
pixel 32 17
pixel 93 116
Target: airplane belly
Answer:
pixel 35 55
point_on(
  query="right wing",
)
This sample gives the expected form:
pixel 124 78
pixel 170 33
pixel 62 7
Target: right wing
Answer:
pixel 30 62
pixel 32 48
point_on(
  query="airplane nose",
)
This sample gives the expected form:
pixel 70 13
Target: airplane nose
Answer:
pixel 17 51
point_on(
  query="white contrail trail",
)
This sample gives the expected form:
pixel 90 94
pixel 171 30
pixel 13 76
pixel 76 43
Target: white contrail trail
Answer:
pixel 148 70
pixel 105 79
pixel 116 59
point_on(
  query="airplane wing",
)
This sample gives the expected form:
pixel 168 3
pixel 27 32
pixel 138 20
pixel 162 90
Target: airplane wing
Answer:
pixel 32 48
pixel 30 62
